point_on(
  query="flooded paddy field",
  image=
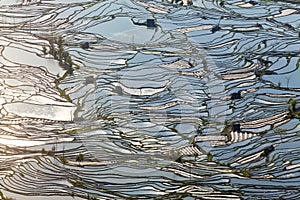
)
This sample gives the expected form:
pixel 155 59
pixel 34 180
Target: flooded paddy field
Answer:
pixel 149 99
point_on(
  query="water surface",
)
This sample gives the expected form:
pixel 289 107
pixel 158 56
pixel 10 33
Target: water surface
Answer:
pixel 95 104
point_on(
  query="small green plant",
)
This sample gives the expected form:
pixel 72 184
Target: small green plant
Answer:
pixel 69 61
pixel 293 111
pixel 79 157
pixel 298 62
pixel 292 104
pixel 209 157
pixel 245 173
pixel 76 183
pixel 63 160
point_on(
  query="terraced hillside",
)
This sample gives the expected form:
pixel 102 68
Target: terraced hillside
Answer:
pixel 149 99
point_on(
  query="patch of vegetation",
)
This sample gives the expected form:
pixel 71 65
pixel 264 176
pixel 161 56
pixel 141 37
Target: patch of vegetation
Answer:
pixel 245 172
pixel 63 160
pixel 266 151
pixel 279 130
pixel 209 157
pixel 76 130
pixel 218 162
pixel 60 54
pixel 179 159
pixel 5 169
pixel 49 152
pixel 227 129
pixel 205 122
pixel 62 92
pixel 294 112
pixel 76 183
pixel 106 118
pixel 298 62
pixel 57 50
pixel 260 73
pixel 264 62
pixel 79 157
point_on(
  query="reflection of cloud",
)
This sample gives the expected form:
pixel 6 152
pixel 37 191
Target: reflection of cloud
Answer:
pixel 13 141
pixel 20 56
pixel 136 36
pixel 51 112
pixel 18 142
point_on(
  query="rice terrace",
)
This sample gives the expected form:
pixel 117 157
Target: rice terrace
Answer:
pixel 158 99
